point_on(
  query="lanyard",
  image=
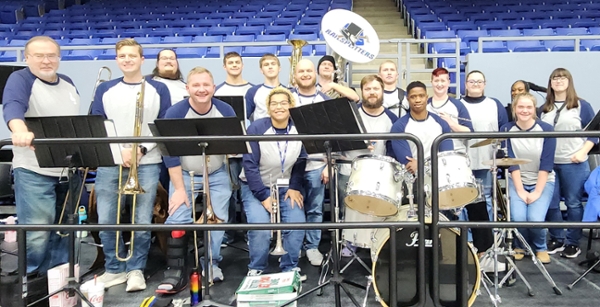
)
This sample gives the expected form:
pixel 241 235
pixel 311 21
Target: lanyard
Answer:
pixel 558 113
pixel 282 154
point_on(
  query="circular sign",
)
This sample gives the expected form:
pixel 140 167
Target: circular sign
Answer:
pixel 350 35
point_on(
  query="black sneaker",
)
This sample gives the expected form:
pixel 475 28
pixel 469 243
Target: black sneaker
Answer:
pixel 555 247
pixel 571 251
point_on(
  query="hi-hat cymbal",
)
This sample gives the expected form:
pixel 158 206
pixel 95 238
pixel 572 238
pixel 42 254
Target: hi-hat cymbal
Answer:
pixel 507 162
pixel 486 142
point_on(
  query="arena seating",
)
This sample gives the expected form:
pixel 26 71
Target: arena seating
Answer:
pixel 104 22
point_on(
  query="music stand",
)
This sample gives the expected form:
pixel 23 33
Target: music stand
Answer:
pixel 222 126
pixel 594 125
pixel 337 116
pixel 238 105
pixel 70 156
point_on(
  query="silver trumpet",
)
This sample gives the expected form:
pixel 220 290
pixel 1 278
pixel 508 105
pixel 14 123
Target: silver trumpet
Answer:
pixel 276 219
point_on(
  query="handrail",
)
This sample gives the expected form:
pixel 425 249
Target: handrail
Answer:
pixel 576 38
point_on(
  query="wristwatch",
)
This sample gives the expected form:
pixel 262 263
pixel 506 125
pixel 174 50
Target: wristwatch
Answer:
pixel 143 150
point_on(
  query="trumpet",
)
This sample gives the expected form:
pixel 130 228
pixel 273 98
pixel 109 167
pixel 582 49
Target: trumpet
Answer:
pixel 99 80
pixel 276 219
pixel 132 184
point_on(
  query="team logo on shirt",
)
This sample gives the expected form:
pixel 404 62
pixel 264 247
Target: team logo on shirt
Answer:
pixel 355 41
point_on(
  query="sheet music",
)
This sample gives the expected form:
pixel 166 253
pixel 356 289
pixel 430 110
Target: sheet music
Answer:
pixel 115 148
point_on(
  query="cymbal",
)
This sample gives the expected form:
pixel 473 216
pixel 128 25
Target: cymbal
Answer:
pixel 486 142
pixel 507 162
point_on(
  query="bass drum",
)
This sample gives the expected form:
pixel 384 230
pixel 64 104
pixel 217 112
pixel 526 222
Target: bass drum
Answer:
pixel 407 241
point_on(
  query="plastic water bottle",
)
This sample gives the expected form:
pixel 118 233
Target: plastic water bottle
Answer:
pixel 82 217
pixel 195 289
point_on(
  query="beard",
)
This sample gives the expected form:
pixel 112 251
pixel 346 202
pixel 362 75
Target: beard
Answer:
pixel 370 104
pixel 168 73
pixel 306 87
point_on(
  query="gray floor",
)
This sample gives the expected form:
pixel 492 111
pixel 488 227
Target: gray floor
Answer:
pixel 564 271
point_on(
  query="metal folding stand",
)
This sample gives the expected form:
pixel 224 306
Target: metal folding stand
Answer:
pixel 593 260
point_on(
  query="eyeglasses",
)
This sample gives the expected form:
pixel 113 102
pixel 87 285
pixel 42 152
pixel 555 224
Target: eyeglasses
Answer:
pixel 475 82
pixel 559 78
pixel 40 57
pixel 283 104
pixel 164 58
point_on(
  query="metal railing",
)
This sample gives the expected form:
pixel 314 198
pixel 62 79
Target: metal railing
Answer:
pixel 576 46
pixel 392 226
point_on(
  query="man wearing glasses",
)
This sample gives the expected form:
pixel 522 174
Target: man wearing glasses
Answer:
pixel 167 72
pixel 39 193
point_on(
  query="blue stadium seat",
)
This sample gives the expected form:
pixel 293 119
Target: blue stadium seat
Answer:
pixel 54 34
pixel 55 26
pixel 489 47
pixel 159 32
pixel 108 25
pixel 310 21
pixel 186 53
pixel 190 31
pixel 471 35
pixel 214 15
pixel 154 24
pixel 8 56
pixel 562 45
pixel 563 15
pixel 538 32
pixel 254 30
pixel 106 33
pixel 535 16
pixel 267 15
pixel 17 43
pixel 252 8
pixel 133 33
pixel 305 29
pixel 320 50
pixel 288 22
pixel 505 33
pixel 110 40
pixel 147 40
pixel 450 48
pixel 72 26
pixel 177 40
pixel 128 25
pixel 511 17
pixel 207 39
pixel 526 46
pixel 572 31
pixel 222 31
pixel 178 24
pixel 81 55
pixel 306 37
pixel 152 52
pixel 259 22
pixel 296 7
pixel 213 52
pixel 238 38
pixel 492 25
pixel 247 15
pixel 258 51
pixel 585 23
pixel 28 27
pixel 424 27
pixel 481 17
pixel 591 44
pixel 108 54
pixel 84 41
pixel 461 25
pixel 555 24
pixel 233 22
pixel 278 30
pixel 520 25
pixel 206 23
pixel 77 34
pixel 440 34
pixel 271 38
pixel 287 50
pixel 25 35
pixel 291 14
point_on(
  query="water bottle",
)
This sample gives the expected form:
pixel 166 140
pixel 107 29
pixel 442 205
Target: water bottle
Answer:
pixel 195 289
pixel 82 217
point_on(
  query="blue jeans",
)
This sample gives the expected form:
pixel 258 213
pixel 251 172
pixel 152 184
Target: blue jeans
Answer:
pixel 235 168
pixel 220 190
pixel 107 187
pixel 259 240
pixel 486 177
pixel 39 200
pixel 569 184
pixel 534 212
pixel 314 196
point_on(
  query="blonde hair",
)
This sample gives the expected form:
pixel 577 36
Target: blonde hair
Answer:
pixel 521 96
pixel 129 42
pixel 388 62
pixel 268 56
pixel 200 70
pixel 42 38
pixel 280 90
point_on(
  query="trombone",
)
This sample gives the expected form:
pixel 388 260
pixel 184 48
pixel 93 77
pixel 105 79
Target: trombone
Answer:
pixel 132 184
pixel 276 219
pixel 99 80
pixel 64 206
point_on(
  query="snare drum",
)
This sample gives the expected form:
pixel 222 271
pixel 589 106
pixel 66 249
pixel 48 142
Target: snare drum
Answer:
pixel 456 183
pixel 359 237
pixel 375 185
pixel 407 242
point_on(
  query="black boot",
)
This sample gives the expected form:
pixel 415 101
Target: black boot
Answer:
pixel 176 275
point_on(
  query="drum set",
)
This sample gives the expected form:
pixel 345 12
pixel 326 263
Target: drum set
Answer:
pixel 381 189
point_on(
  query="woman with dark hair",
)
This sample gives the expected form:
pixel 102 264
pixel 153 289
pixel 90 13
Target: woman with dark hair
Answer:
pixel 565 111
pixel 519 87
pixel 167 72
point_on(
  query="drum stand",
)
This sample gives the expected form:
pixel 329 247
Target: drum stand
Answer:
pixel 506 236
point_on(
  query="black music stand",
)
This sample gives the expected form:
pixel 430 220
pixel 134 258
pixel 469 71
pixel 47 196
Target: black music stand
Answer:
pixel 224 127
pixel 336 116
pixel 70 156
pixel 238 105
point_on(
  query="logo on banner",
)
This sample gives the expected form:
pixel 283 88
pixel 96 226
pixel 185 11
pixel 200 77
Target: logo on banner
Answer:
pixel 356 41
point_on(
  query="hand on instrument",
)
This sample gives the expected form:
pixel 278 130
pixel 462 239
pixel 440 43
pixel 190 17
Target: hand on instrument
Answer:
pixel 126 154
pixel 411 166
pixel 325 176
pixel 327 87
pixel 371 146
pixel 523 195
pixel 295 197
pixel 533 196
pixel 579 157
pixel 22 139
pixel 178 198
pixel 268 204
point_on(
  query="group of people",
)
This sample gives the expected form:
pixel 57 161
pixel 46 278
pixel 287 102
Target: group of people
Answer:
pixel 558 167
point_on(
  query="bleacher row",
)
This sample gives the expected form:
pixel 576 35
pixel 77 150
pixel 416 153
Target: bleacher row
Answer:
pixel 158 22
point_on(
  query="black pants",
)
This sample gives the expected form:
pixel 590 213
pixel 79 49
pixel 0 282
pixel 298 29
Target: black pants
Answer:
pixel 483 238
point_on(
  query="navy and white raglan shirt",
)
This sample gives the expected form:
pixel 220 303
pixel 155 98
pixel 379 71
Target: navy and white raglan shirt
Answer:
pixel 302 100
pixel 116 101
pixel 269 161
pixel 487 114
pixel 256 101
pixel 392 102
pixel 176 88
pixel 574 119
pixel 25 95
pixel 539 150
pixel 425 130
pixel 381 123
pixel 458 113
pixel 183 109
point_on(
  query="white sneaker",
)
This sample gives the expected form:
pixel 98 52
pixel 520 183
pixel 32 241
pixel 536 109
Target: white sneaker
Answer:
pixel 112 279
pixel 254 273
pixel 302 276
pixel 314 256
pixel 487 265
pixel 135 281
pixel 217 274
